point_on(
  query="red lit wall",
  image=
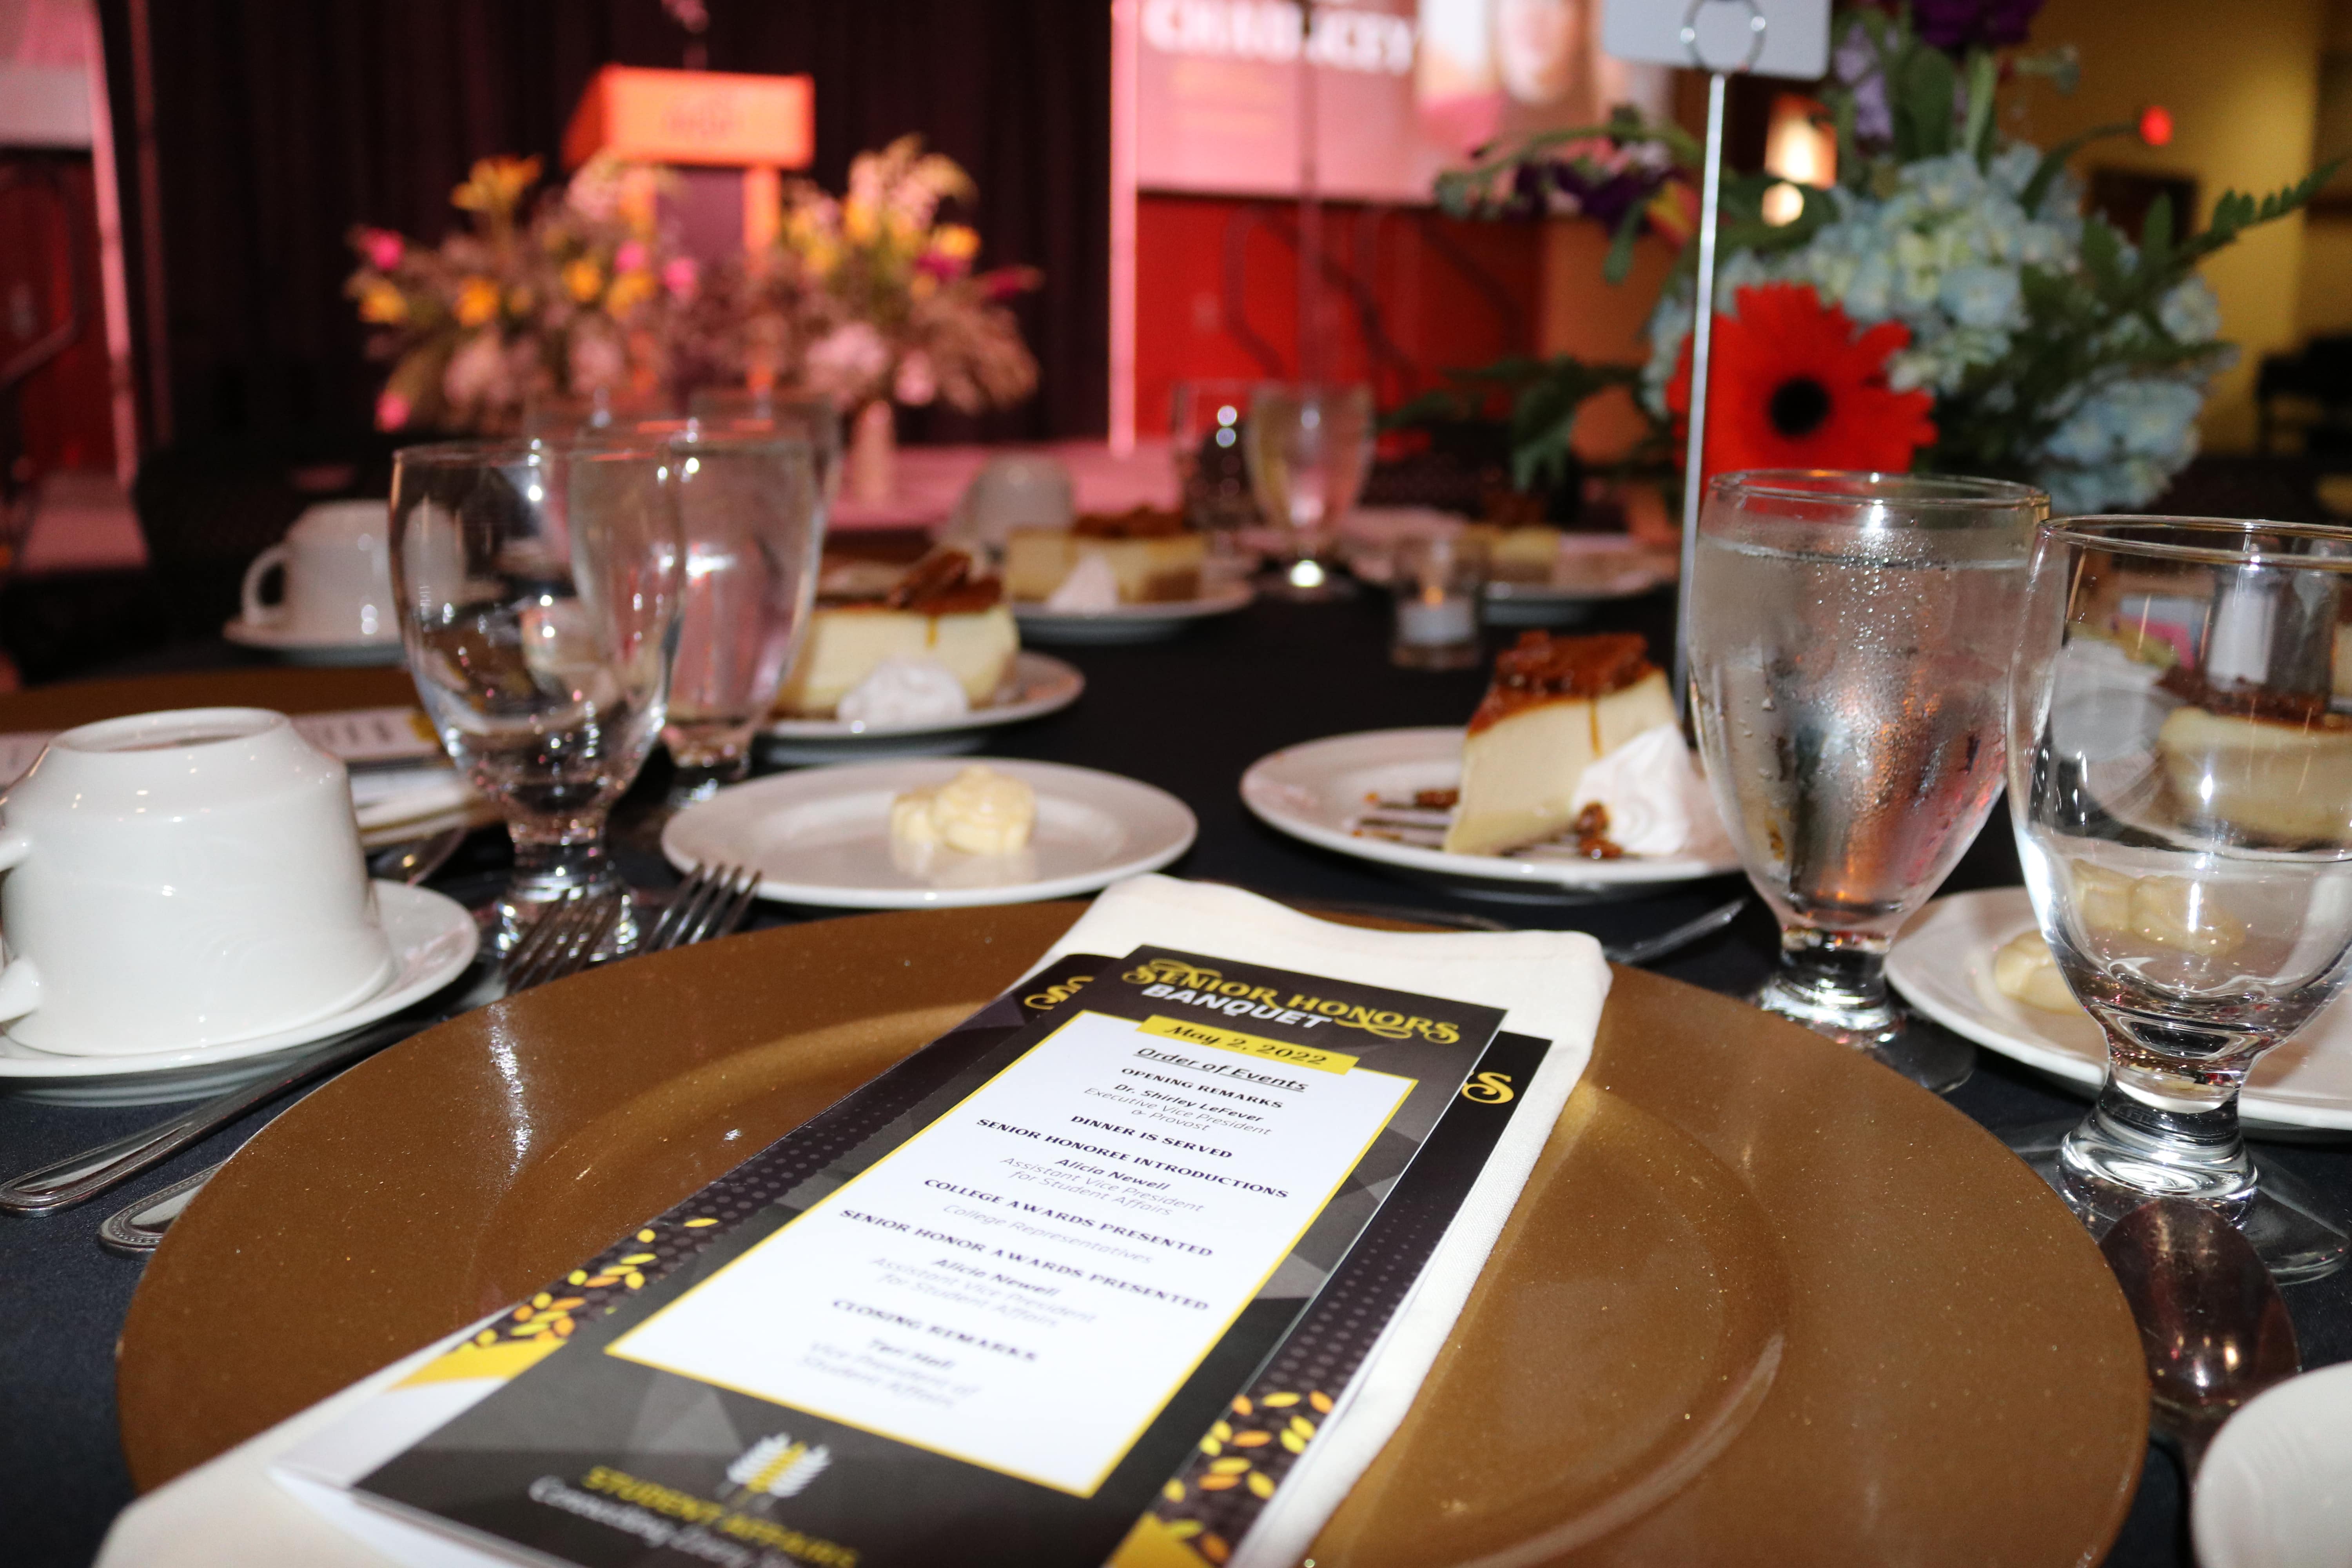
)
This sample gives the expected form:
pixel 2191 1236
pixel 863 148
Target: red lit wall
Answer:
pixel 1407 293
pixel 67 420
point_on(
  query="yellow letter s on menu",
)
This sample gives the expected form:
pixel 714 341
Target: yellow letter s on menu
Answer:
pixel 1488 1087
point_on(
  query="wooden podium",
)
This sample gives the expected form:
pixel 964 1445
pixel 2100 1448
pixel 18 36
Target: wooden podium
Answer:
pixel 729 136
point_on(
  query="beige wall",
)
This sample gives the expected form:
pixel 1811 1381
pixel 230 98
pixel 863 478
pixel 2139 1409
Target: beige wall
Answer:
pixel 2241 80
pixel 2324 295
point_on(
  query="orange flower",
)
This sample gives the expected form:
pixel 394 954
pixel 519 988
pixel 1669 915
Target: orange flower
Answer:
pixel 1794 387
pixel 477 302
pixel 585 278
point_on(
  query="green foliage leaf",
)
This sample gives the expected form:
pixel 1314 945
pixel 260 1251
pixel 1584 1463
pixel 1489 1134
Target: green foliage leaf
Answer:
pixel 1546 395
pixel 2235 212
pixel 2155 236
pixel 1984 76
pixel 1620 260
pixel 2102 253
pixel 1923 106
pixel 2053 162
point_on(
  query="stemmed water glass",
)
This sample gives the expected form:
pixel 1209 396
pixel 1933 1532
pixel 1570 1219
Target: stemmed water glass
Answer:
pixel 1850 637
pixel 769 411
pixel 2181 786
pixel 538 589
pixel 752 512
pixel 1310 445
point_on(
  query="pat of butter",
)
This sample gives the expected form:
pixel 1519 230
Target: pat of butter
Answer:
pixel 978 812
pixel 2173 912
pixel 2024 969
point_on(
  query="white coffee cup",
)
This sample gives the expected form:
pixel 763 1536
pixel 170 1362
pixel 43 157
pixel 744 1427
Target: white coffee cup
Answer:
pixel 1018 490
pixel 182 878
pixel 338 565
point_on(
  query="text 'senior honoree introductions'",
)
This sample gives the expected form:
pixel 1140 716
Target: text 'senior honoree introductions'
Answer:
pixel 1095 1214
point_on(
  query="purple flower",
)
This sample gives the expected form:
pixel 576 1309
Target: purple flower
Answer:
pixel 1856 65
pixel 1958 25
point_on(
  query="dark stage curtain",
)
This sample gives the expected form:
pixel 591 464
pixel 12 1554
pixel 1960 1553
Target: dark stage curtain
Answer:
pixel 280 123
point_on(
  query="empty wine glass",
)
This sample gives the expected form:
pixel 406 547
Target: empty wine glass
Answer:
pixel 539 604
pixel 1850 638
pixel 752 512
pixel 1206 420
pixel 2182 784
pixel 1309 447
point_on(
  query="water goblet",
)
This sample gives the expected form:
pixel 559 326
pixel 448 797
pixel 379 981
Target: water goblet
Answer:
pixel 1849 641
pixel 1310 445
pixel 2181 787
pixel 751 509
pixel 771 411
pixel 539 586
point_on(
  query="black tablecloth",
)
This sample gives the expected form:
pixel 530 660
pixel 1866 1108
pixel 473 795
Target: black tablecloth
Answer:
pixel 1188 716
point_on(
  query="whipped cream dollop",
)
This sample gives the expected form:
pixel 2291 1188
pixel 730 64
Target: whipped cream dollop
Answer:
pixel 1091 588
pixel 905 691
pixel 1657 803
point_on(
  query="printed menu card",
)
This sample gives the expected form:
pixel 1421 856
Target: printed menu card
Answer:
pixel 1077 1282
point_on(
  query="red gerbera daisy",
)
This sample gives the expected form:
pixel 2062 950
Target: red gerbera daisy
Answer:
pixel 1795 387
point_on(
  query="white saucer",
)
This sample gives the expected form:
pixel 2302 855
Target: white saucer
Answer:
pixel 295 648
pixel 1041 684
pixel 1942 963
pixel 1318 790
pixel 433 941
pixel 2275 1489
pixel 822 836
pixel 1126 622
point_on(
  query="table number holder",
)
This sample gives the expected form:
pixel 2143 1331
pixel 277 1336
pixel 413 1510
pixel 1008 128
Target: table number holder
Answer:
pixel 1787 38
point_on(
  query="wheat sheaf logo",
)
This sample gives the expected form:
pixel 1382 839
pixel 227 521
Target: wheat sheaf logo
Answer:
pixel 777 1467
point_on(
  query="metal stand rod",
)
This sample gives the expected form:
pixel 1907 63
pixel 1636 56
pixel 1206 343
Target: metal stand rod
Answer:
pixel 1702 335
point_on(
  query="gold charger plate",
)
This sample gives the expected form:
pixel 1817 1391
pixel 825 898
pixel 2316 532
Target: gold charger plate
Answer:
pixel 1762 1300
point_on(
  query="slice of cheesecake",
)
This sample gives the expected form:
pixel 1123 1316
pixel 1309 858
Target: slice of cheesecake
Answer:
pixel 1557 705
pixel 2278 780
pixel 939 609
pixel 1155 557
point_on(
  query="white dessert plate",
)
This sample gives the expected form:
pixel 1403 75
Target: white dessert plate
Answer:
pixel 1126 622
pixel 2275 1489
pixel 822 837
pixel 1319 790
pixel 295 648
pixel 433 941
pixel 1590 568
pixel 1041 684
pixel 1942 963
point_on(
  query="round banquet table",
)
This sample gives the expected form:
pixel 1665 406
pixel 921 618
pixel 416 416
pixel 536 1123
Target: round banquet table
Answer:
pixel 1188 716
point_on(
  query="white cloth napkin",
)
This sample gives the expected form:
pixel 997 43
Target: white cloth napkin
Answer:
pixel 251 1506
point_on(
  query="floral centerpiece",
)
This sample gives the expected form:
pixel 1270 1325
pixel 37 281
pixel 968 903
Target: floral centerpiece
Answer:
pixel 569 296
pixel 886 297
pixel 1947 305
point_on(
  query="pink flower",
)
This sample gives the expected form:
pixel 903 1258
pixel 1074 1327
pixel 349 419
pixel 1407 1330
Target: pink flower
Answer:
pixel 630 257
pixel 915 385
pixel 384 249
pixel 680 277
pixel 392 411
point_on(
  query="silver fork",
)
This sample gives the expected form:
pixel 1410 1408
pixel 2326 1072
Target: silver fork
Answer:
pixel 710 903
pixel 550 949
pixel 564 937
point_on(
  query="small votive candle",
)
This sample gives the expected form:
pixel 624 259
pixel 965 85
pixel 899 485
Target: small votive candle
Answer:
pixel 1439 579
